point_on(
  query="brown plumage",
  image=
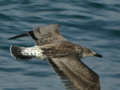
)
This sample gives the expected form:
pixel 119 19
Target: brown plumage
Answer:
pixel 63 56
pixel 61 49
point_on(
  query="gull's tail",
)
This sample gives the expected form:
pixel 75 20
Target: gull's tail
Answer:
pixel 18 53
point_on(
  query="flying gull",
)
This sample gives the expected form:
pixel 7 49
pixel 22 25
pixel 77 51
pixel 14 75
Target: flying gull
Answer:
pixel 62 55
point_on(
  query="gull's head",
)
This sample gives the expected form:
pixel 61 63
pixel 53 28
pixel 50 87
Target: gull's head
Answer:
pixel 88 52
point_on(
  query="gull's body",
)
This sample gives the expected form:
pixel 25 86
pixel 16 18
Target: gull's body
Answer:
pixel 63 56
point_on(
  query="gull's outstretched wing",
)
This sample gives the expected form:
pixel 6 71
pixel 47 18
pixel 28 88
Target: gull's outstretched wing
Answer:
pixel 43 35
pixel 67 83
pixel 75 74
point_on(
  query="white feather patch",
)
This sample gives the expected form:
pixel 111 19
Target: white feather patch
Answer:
pixel 34 51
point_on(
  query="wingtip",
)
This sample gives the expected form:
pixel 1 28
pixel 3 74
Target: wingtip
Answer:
pixel 18 36
pixel 10 38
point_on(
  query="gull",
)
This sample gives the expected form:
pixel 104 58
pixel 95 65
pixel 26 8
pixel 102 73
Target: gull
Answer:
pixel 64 57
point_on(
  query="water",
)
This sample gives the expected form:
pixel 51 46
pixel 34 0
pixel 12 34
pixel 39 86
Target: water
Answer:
pixel 91 23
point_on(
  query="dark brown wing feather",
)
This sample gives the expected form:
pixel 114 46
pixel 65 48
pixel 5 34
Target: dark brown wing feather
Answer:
pixel 61 49
pixel 67 83
pixel 43 35
pixel 77 74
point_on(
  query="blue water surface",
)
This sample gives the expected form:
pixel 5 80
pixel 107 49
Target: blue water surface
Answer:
pixel 91 23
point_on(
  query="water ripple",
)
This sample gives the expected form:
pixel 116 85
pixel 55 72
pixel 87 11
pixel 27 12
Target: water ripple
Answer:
pixel 94 24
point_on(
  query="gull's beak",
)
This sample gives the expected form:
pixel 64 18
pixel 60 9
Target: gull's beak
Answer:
pixel 98 55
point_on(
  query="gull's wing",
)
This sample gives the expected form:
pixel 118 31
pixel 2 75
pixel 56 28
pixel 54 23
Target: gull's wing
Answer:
pixel 43 35
pixel 75 74
pixel 67 83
